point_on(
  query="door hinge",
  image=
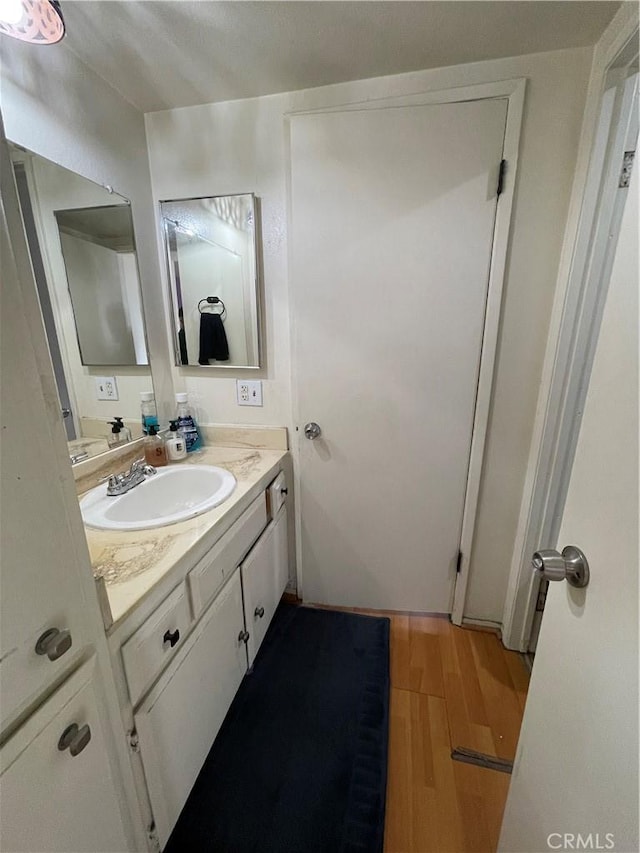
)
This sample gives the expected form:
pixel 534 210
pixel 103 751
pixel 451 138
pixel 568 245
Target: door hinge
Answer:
pixel 132 740
pixel 501 173
pixel 627 166
pixel 459 563
pixel 152 836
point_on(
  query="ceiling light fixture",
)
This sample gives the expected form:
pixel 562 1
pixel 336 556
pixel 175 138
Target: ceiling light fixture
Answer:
pixel 33 21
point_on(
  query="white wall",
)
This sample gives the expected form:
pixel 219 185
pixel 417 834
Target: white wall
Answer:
pixel 55 106
pixel 240 146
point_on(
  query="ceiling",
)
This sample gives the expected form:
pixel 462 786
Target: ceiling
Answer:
pixel 177 53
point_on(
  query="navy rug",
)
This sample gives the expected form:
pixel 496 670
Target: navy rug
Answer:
pixel 300 763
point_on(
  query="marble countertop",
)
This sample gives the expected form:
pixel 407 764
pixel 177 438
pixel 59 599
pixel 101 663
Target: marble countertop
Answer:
pixel 132 562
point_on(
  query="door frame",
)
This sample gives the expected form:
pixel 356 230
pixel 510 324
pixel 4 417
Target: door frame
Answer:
pixel 594 217
pixel 513 91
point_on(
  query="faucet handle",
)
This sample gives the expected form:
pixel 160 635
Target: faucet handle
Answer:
pixel 112 480
pixel 142 465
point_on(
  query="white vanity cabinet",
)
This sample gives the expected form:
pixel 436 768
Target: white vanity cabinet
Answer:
pixel 264 578
pixel 57 797
pixel 180 718
pixel 179 696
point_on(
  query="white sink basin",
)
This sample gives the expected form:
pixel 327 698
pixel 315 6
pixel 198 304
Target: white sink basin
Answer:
pixel 175 493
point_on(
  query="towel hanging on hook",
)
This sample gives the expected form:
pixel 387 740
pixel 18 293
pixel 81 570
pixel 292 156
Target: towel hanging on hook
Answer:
pixel 213 300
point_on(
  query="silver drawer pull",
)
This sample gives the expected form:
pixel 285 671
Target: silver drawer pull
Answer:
pixel 259 612
pixel 243 637
pixel 74 739
pixel 54 643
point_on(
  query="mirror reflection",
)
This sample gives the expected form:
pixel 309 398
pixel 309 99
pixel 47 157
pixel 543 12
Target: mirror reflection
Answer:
pixel 81 240
pixel 211 253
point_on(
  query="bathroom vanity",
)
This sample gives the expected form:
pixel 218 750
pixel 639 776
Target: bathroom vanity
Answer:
pixel 186 608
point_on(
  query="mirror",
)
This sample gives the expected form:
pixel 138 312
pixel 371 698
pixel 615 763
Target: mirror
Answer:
pixel 81 240
pixel 212 264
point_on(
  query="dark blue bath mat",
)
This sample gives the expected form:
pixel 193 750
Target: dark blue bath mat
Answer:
pixel 300 763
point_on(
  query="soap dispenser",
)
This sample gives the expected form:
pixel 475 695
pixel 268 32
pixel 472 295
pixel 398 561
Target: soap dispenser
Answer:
pixel 120 434
pixel 155 452
pixel 175 443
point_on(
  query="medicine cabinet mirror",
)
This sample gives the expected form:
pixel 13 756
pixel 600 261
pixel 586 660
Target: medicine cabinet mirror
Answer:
pixel 212 267
pixel 82 245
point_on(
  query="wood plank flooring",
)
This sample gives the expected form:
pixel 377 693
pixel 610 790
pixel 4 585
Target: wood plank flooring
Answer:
pixel 450 687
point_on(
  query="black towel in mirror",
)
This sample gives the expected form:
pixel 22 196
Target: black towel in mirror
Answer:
pixel 213 339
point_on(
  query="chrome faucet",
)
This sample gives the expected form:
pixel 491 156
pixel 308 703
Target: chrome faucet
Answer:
pixel 119 484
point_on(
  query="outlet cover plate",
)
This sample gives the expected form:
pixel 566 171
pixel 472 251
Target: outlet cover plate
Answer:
pixel 106 388
pixel 249 392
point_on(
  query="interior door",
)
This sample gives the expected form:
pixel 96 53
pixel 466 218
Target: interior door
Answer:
pixel 576 770
pixel 392 217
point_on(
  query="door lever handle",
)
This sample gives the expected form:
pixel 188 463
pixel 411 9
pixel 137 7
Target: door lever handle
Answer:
pixel 571 565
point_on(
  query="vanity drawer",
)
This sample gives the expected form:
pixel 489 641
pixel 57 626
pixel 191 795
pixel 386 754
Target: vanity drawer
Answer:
pixel 206 578
pixel 149 650
pixel 277 494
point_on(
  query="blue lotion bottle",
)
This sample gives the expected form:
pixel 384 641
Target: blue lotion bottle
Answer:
pixel 149 414
pixel 187 424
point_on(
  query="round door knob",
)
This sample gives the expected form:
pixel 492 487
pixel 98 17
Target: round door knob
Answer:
pixel 74 738
pixel 243 637
pixel 571 565
pixel 312 430
pixel 259 612
pixel 171 637
pixel 54 643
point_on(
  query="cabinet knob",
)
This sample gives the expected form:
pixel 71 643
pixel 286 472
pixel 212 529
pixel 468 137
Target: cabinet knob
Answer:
pixel 258 612
pixel 171 637
pixel 243 637
pixel 74 738
pixel 54 643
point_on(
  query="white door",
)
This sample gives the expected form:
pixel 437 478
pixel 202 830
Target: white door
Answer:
pixel 392 217
pixel 264 578
pixel 180 718
pixel 576 770
pixel 57 799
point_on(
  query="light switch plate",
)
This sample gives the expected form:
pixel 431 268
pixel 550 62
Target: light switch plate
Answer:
pixel 106 388
pixel 249 392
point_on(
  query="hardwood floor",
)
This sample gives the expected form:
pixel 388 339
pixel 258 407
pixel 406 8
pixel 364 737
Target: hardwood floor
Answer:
pixel 450 687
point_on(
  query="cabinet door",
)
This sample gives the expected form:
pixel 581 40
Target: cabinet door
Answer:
pixel 264 578
pixel 179 720
pixel 45 565
pixel 52 799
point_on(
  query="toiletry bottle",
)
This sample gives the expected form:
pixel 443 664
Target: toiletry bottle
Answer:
pixel 119 433
pixel 148 411
pixel 175 443
pixel 155 453
pixel 187 424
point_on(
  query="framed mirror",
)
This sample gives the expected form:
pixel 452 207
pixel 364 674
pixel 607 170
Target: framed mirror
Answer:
pixel 82 245
pixel 212 265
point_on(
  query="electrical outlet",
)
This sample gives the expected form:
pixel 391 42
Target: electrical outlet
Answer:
pixel 106 388
pixel 249 392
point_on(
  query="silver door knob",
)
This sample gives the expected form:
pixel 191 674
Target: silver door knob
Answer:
pixel 571 565
pixel 312 430
pixel 243 637
pixel 74 738
pixel 258 612
pixel 54 643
